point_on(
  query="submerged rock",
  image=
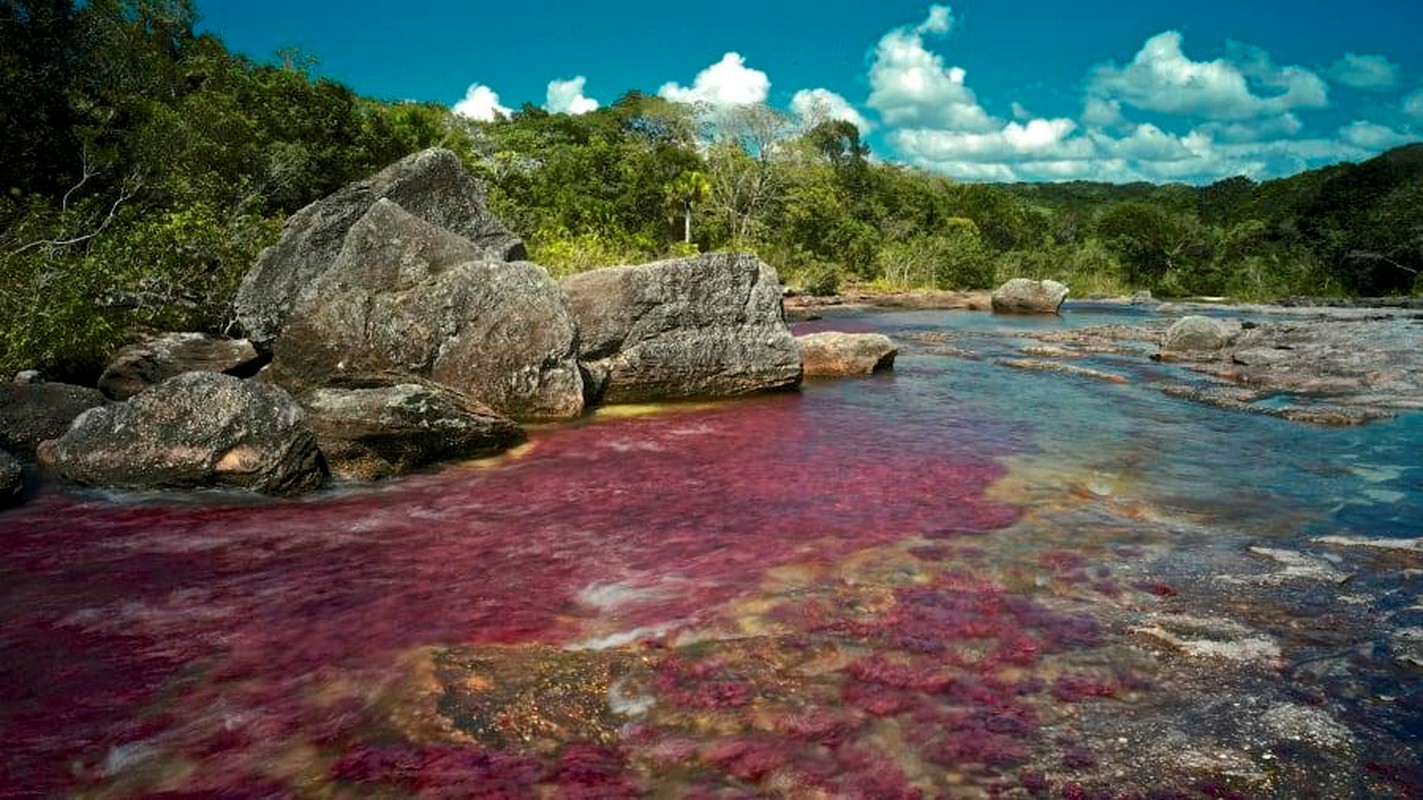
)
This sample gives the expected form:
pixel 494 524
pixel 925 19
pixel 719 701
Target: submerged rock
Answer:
pixel 432 185
pixel 1027 296
pixel 408 302
pixel 151 362
pixel 707 326
pixel 30 413
pixel 375 433
pixel 197 429
pixel 836 354
pixel 1195 333
pixel 12 480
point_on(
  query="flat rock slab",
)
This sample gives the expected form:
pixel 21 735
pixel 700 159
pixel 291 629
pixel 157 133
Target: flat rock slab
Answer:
pixel 408 302
pixel 833 354
pixel 155 360
pixel 432 185
pixel 31 413
pixel 701 327
pixel 367 434
pixel 195 430
pixel 1334 368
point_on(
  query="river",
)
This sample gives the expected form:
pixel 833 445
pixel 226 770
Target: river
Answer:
pixel 954 579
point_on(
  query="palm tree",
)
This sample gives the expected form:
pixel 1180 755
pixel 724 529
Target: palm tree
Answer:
pixel 689 189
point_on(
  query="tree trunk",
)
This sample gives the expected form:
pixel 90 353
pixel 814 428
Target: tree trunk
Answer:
pixel 687 223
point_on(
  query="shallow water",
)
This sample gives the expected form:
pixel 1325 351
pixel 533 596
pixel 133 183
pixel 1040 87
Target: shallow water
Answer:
pixel 953 580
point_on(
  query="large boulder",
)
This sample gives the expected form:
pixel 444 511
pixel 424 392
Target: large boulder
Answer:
pixel 1027 296
pixel 159 358
pixel 431 185
pixel 30 413
pixel 197 429
pixel 705 326
pixel 834 354
pixel 367 434
pixel 1195 334
pixel 408 302
pixel 12 480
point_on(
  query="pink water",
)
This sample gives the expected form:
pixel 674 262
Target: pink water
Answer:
pixel 197 628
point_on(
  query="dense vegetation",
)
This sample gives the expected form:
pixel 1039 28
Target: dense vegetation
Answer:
pixel 144 166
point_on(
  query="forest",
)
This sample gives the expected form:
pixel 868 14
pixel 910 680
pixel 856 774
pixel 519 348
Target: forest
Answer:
pixel 144 166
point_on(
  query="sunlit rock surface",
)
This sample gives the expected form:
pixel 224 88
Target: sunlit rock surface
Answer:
pixel 1028 296
pixel 432 185
pixel 706 326
pixel 406 301
pixel 195 430
pixel 139 366
pixel 833 354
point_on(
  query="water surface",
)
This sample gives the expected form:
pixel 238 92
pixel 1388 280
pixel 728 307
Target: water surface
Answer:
pixel 953 580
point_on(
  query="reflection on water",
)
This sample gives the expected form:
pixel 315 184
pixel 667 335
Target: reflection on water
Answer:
pixel 957 579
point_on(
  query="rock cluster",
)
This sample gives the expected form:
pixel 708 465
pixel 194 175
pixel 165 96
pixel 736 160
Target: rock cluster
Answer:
pixel 403 329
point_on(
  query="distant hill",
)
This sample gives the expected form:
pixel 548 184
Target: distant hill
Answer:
pixel 1364 221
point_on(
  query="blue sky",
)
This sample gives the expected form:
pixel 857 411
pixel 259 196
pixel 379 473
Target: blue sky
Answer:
pixel 974 89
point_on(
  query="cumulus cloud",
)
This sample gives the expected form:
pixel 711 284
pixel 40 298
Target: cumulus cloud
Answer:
pixel 729 82
pixel 1365 72
pixel 912 86
pixel 480 103
pixel 1372 136
pixel 566 97
pixel 1162 78
pixel 813 106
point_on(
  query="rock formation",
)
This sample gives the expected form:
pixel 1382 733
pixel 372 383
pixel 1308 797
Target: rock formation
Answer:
pixel 159 358
pixel 1027 296
pixel 197 429
pixel 835 354
pixel 376 433
pixel 706 326
pixel 405 301
pixel 432 185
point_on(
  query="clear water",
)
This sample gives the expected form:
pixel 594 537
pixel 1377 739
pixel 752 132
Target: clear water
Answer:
pixel 951 580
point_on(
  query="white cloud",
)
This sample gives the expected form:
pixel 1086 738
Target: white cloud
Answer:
pixel 911 86
pixel 729 82
pixel 1413 105
pixel 1162 78
pixel 1368 73
pixel 1372 136
pixel 1260 130
pixel 566 97
pixel 812 106
pixel 481 103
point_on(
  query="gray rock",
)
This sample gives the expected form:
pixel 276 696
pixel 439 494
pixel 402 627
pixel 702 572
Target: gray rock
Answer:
pixel 836 354
pixel 367 434
pixel 12 480
pixel 1027 296
pixel 705 326
pixel 408 302
pixel 29 376
pixel 159 358
pixel 431 185
pixel 30 413
pixel 1195 333
pixel 197 429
